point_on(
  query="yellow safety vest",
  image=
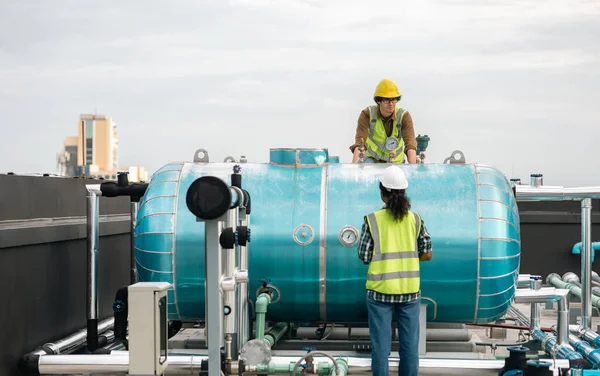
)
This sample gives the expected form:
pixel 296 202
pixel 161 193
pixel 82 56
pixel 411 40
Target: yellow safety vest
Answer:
pixel 394 268
pixel 375 145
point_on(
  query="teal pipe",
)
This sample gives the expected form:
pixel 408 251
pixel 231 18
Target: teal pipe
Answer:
pixel 555 280
pixel 577 249
pixel 276 332
pixel 343 368
pixel 325 369
pixel 260 309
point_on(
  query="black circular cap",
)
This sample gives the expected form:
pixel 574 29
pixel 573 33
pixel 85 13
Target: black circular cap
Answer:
pixel 208 197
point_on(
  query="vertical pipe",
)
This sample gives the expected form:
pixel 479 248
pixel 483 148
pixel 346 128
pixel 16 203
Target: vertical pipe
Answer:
pixel 92 267
pixel 213 301
pixel 586 262
pixel 534 322
pixel 243 315
pixel 134 211
pixel 563 321
pixel 230 320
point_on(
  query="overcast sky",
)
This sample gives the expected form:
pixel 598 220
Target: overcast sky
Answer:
pixel 513 84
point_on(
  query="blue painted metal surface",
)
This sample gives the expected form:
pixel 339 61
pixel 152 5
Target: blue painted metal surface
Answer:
pixel 299 156
pixel 469 211
pixel 577 249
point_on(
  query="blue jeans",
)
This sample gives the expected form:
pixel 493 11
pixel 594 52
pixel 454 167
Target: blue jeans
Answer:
pixel 380 329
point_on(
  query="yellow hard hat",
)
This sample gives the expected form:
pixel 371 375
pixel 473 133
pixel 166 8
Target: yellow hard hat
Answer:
pixel 386 88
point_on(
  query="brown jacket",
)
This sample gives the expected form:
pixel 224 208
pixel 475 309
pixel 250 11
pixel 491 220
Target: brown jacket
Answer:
pixel 407 129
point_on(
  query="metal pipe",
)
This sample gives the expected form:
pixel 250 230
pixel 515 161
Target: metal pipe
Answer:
pixel 534 322
pixel 586 263
pixel 573 279
pixel 555 280
pixel 341 333
pixel 548 294
pixel 243 315
pixel 93 238
pixel 563 320
pixel 72 342
pixel 276 332
pixel 543 295
pixel 549 344
pixel 134 211
pixel 213 300
pixel 587 335
pixel 230 320
pixel 544 193
pixel 312 354
pixel 589 353
pixel 186 364
pixel 554 193
pixel 524 280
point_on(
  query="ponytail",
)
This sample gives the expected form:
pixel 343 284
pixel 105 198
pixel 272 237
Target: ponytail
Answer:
pixel 397 202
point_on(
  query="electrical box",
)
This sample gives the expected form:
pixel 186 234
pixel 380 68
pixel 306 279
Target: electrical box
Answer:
pixel 148 328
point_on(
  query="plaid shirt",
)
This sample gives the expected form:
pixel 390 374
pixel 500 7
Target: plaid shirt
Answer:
pixel 365 253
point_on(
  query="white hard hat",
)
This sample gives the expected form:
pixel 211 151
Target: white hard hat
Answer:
pixel 393 178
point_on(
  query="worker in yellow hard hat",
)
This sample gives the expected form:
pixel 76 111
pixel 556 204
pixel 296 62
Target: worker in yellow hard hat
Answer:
pixel 385 131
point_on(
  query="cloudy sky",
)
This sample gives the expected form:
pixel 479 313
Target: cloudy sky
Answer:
pixel 513 84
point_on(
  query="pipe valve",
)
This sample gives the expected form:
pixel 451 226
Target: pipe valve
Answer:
pixel 265 289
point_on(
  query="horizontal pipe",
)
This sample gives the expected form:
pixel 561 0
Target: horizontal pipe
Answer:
pixel 340 333
pixel 187 364
pixel 72 342
pixel 543 295
pixel 524 280
pixel 550 345
pixel 554 193
pixel 555 280
pixel 276 332
pixel 590 354
pixel 509 326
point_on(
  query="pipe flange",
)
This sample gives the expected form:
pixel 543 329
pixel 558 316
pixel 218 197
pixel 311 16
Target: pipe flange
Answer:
pixel 255 352
pixel 303 234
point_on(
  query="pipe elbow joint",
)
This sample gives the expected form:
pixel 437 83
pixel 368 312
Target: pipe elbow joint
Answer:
pixel 262 302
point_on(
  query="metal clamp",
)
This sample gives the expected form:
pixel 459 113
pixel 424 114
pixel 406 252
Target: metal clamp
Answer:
pixel 240 276
pixel 228 284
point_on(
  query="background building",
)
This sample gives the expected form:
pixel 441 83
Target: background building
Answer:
pixel 98 146
pixel 94 152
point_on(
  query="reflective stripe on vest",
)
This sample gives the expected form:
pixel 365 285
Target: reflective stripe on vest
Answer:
pixel 394 267
pixel 375 145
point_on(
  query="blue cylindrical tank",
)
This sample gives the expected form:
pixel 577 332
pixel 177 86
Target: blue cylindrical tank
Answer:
pixel 300 209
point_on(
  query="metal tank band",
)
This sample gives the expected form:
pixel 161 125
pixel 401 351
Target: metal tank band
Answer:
pixel 307 215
